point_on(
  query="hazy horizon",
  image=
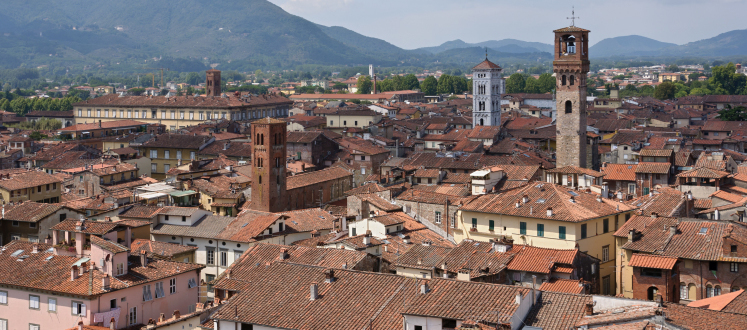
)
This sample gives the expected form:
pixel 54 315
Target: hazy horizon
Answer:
pixel 424 23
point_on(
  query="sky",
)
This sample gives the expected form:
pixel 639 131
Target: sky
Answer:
pixel 412 24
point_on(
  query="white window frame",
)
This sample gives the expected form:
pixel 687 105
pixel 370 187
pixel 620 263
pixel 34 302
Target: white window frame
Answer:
pixel 52 305
pixel 159 290
pixel 34 301
pixel 153 154
pixel 3 297
pixel 78 308
pixel 437 217
pixel 147 293
pixel 178 154
pixel 166 154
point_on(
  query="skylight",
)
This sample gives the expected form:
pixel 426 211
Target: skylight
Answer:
pixel 703 230
pixel 541 200
pixel 573 193
pixel 17 253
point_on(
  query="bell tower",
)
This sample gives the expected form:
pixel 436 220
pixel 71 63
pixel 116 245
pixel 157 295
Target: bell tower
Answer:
pixel 570 65
pixel 212 82
pixel 487 87
pixel 268 165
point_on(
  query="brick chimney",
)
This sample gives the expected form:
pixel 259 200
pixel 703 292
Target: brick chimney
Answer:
pixel 177 314
pixel 329 275
pixel 283 254
pixel 143 259
pixel 589 310
pixel 105 282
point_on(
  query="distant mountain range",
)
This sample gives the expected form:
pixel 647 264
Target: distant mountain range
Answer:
pixel 249 34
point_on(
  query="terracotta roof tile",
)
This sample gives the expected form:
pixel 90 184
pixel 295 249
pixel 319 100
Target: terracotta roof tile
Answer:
pixel 619 172
pixel 652 261
pixel 563 285
pixel 555 310
pixel 650 167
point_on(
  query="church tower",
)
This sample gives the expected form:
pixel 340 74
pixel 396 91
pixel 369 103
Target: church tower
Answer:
pixel 570 65
pixel 268 170
pixel 487 86
pixel 212 82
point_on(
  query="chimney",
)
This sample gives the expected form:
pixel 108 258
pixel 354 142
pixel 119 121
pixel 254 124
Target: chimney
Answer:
pixel 631 235
pixel 420 261
pixel 35 248
pixel 177 314
pixel 80 325
pixel 654 215
pixel 525 199
pixel 424 288
pixel 161 318
pixel 367 238
pixel 589 309
pixel 549 212
pixel 329 275
pixel 283 254
pixel 105 282
pixel 314 294
pixel 672 230
pixel 73 273
pixel 143 259
pixel 518 298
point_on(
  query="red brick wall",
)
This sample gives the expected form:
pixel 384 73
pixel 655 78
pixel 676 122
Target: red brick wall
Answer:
pixel 667 285
pixel 701 277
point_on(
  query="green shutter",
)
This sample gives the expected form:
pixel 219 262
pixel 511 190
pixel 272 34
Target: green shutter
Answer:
pixel 492 225
pixel 606 225
pixel 540 230
pixel 561 232
pixel 583 231
pixel 474 222
pixel 523 228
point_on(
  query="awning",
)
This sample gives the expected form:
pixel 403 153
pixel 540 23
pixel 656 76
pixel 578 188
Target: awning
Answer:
pixel 152 195
pixel 182 193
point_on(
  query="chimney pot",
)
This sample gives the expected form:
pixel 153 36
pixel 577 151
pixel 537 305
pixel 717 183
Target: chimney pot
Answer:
pixel 177 314
pixel 589 309
pixel 314 294
pixel 329 275
pixel 80 325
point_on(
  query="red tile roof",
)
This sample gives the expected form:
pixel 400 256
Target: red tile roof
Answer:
pixel 486 65
pixel 563 285
pixel 103 125
pixel 619 172
pixel 652 261
pixel 702 172
pixel 651 167
pixel 539 260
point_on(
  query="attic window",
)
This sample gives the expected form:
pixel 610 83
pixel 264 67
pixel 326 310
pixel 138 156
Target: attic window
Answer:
pixel 573 193
pixel 703 230
pixel 541 200
pixel 17 253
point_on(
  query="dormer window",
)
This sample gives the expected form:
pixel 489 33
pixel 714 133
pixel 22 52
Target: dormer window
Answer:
pixel 280 226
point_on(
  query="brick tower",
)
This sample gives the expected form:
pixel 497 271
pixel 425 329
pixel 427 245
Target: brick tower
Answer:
pixel 570 66
pixel 487 86
pixel 212 82
pixel 268 170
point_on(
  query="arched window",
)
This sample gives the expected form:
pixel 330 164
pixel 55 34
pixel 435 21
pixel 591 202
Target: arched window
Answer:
pixel 573 80
pixel 562 80
pixel 570 42
pixel 482 122
pixel 568 107
pixel 257 140
pixel 683 291
pixel 709 291
pixel 734 288
pixel 652 291
pixel 716 291
pixel 262 138
pixel 260 180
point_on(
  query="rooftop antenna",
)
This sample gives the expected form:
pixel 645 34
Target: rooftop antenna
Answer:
pixel 573 16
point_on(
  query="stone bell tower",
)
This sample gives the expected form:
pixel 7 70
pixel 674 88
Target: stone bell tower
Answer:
pixel 212 82
pixel 487 87
pixel 268 170
pixel 570 65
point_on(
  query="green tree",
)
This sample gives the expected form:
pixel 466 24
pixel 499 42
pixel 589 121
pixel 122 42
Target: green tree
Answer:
pixel 429 86
pixel 546 83
pixel 733 114
pixel 445 85
pixel 725 80
pixel 193 78
pixel 673 68
pixel 364 85
pixel 665 91
pixel 515 83
pixel 410 82
pixel 531 85
pixel 137 91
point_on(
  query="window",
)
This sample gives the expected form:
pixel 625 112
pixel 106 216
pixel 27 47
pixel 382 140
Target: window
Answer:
pixel 709 291
pixel 605 225
pixel 733 248
pixel 79 308
pixel 223 258
pixel 33 302
pixel 33 326
pixel 716 290
pixel 452 222
pixel 166 168
pixel 651 272
pixel 209 278
pixel 561 232
pixel 245 326
pixel 210 256
pixel 192 283
pixel 522 228
pixel 683 291
pixel 583 231
pixel 159 290
pixel 52 305
pixel 3 297
pixel 491 225
pixel 713 266
pixel 418 327
pixel 147 295
pixel 113 303
pixel 166 154
pixel 191 155
pixel 568 106
pixel 154 154
pixel 474 223
pixel 178 154
pixel 133 316
pixel 237 254
pixel 438 217
pixel 605 253
pixel 15 223
pixel 734 267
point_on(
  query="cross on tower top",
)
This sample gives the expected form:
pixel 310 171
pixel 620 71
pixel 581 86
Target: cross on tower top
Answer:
pixel 486 53
pixel 573 16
